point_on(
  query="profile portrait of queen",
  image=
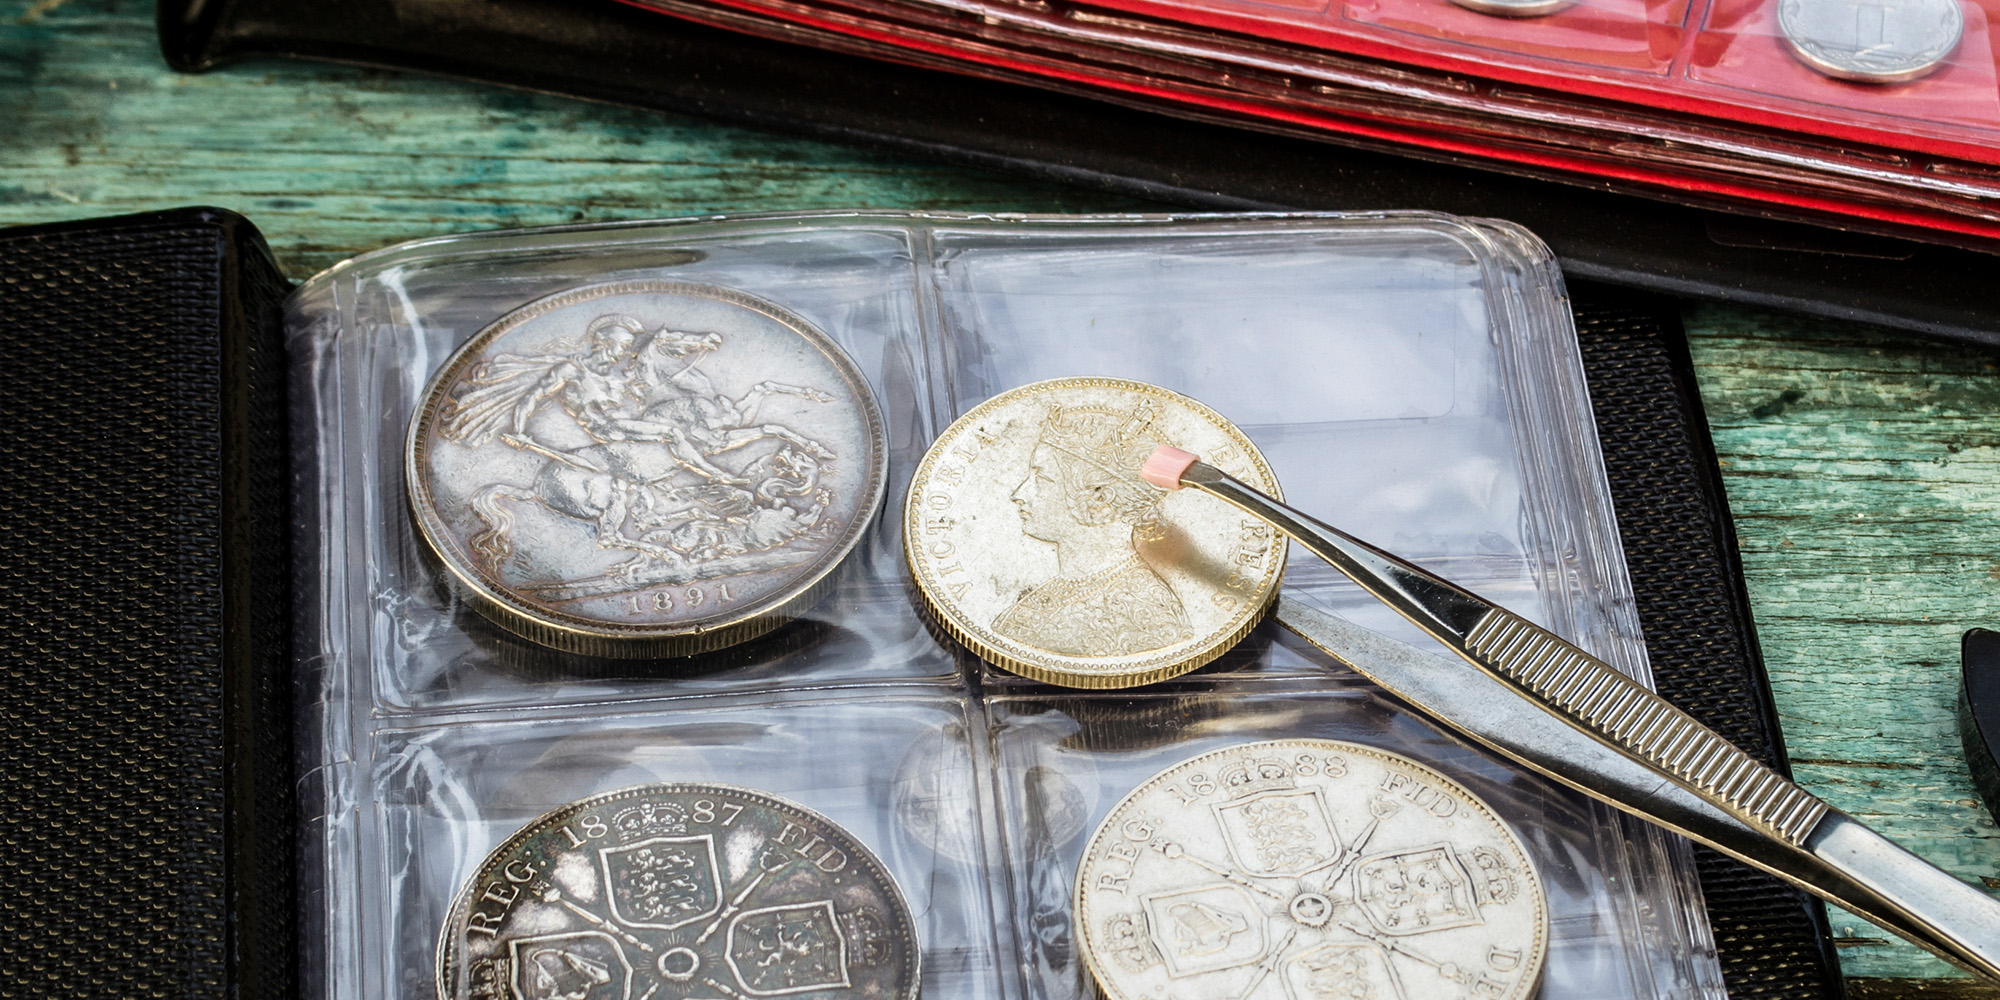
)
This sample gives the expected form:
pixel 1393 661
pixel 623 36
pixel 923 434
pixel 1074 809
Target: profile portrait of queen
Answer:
pixel 1082 494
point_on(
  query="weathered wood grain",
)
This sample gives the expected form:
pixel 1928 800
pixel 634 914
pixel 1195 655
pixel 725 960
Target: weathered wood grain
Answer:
pixel 333 160
pixel 1864 469
pixel 1863 472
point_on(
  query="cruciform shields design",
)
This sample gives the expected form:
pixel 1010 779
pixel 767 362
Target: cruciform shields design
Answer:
pixel 663 883
pixel 1416 891
pixel 1279 834
pixel 795 948
pixel 560 966
pixel 1206 928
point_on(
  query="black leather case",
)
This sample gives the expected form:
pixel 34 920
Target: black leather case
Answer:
pixel 148 807
pixel 144 571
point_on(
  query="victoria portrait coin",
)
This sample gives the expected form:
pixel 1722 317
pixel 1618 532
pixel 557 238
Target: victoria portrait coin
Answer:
pixel 676 892
pixel 1308 870
pixel 645 468
pixel 1035 543
pixel 1872 41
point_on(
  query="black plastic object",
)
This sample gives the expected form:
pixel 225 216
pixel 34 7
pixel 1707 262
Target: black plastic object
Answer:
pixel 1979 712
pixel 144 566
pixel 608 51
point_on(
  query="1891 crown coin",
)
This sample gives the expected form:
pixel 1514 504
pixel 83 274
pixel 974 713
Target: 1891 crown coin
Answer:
pixel 1035 543
pixel 679 891
pixel 645 468
pixel 1308 870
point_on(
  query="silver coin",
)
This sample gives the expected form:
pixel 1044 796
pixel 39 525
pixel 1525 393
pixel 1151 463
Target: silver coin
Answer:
pixel 679 892
pixel 932 796
pixel 1033 540
pixel 645 468
pixel 1308 870
pixel 936 805
pixel 1872 41
pixel 1515 8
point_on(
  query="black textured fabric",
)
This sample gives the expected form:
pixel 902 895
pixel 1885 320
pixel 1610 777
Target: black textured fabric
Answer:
pixel 143 586
pixel 1681 551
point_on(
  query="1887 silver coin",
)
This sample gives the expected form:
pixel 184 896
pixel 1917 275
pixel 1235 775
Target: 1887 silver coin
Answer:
pixel 1308 870
pixel 679 892
pixel 645 468
pixel 1872 41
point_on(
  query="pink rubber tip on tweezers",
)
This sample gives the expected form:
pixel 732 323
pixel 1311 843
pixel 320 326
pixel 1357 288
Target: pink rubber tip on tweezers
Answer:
pixel 1165 466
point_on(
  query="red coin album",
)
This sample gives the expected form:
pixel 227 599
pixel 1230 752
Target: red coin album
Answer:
pixel 1884 115
pixel 1686 238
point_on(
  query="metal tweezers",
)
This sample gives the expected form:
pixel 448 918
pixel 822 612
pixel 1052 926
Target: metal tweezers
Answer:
pixel 1543 702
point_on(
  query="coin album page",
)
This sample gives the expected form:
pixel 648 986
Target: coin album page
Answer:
pixel 1882 114
pixel 1411 378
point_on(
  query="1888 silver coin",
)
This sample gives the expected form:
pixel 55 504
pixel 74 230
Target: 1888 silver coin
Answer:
pixel 1033 540
pixel 1308 870
pixel 646 468
pixel 679 892
pixel 1872 41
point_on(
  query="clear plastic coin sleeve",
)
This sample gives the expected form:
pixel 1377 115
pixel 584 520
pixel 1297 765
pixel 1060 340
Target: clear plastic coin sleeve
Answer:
pixel 1412 378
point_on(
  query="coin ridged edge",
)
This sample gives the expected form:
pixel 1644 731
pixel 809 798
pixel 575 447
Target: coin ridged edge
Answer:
pixel 461 900
pixel 1079 928
pixel 589 637
pixel 648 647
pixel 1055 674
pixel 1088 681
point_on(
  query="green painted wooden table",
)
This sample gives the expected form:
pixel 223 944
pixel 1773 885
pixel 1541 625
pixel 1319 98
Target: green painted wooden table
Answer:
pixel 1863 467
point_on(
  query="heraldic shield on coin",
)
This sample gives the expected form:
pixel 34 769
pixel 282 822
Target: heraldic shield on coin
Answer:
pixel 679 892
pixel 1035 543
pixel 1308 870
pixel 645 468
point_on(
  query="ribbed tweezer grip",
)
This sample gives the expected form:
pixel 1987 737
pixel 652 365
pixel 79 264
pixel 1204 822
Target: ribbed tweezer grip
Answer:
pixel 1615 708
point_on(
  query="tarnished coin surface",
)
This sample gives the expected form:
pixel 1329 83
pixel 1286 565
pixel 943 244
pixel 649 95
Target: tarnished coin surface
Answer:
pixel 1033 540
pixel 1872 41
pixel 679 892
pixel 645 468
pixel 1308 870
